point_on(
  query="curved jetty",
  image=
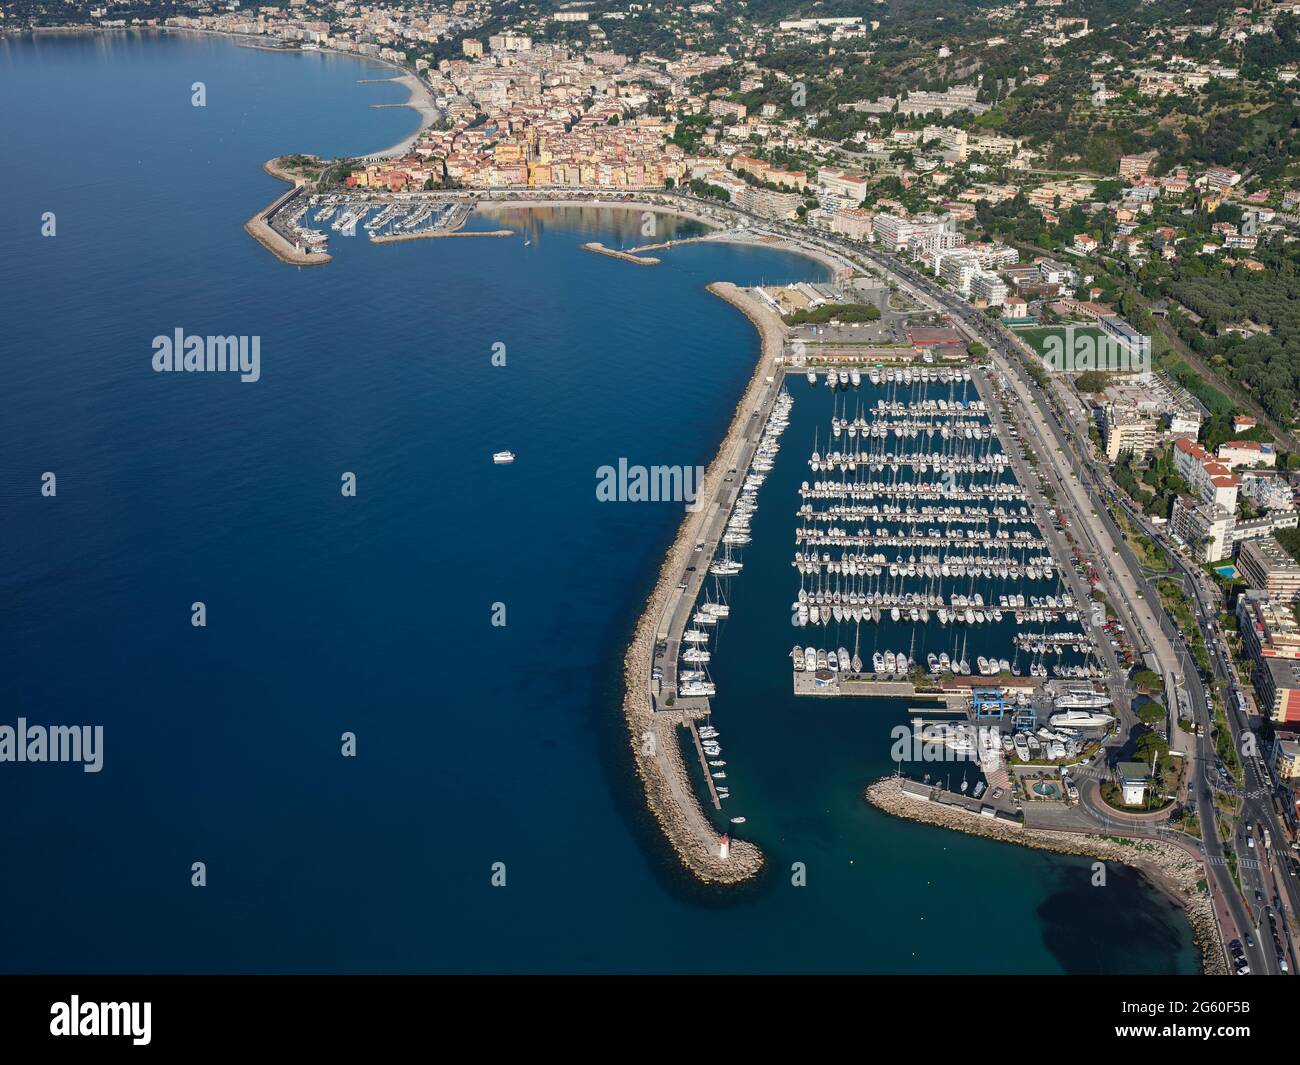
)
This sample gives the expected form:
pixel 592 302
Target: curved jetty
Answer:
pixel 653 733
pixel 1172 868
pixel 627 257
pixel 260 229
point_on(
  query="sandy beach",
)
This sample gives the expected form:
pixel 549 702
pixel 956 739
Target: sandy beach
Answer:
pixel 488 205
pixel 421 102
pixel 420 99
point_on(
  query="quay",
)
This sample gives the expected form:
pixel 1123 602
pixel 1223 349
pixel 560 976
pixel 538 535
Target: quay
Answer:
pixel 627 257
pixel 950 689
pixel 704 765
pixel 738 448
pixel 259 227
pixel 653 721
pixel 434 234
pixel 664 245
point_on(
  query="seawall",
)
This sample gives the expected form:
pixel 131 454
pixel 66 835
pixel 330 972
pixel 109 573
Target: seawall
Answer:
pixel 1169 867
pixel 652 733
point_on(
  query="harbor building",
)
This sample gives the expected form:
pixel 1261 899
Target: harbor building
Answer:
pixel 1206 529
pixel 1133 780
pixel 1265 564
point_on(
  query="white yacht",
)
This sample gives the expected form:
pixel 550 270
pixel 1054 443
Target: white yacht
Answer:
pixel 1082 699
pixel 503 458
pixel 1081 719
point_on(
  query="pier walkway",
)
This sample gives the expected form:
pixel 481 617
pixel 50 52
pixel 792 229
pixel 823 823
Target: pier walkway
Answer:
pixel 717 506
pixel 704 765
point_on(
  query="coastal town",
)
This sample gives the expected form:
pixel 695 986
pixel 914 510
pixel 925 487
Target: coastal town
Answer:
pixel 1044 409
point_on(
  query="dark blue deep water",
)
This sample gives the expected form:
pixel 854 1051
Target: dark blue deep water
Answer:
pixel 371 614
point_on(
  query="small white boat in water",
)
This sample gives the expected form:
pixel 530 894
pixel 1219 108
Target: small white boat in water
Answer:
pixel 503 458
pixel 737 820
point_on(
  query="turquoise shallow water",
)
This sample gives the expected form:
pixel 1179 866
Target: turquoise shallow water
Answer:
pixel 476 744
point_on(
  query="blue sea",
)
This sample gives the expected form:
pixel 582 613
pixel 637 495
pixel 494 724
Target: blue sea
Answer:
pixel 477 746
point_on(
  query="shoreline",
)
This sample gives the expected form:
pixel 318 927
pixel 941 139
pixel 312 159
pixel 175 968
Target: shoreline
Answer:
pixel 839 266
pixel 419 98
pixel 440 234
pixel 1171 870
pixel 524 202
pixel 656 746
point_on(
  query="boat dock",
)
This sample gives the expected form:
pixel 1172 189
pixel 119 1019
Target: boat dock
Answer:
pixel 614 253
pixel 433 234
pixel 263 228
pixel 673 621
pixel 704 765
pixel 652 710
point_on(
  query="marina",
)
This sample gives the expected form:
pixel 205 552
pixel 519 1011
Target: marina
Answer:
pixel 298 225
pixel 922 574
pixel 388 384
pixel 914 539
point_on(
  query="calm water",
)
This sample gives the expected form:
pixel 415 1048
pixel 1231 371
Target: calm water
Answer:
pixel 326 614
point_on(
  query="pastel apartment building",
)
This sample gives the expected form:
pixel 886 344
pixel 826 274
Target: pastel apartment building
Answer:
pixel 1212 481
